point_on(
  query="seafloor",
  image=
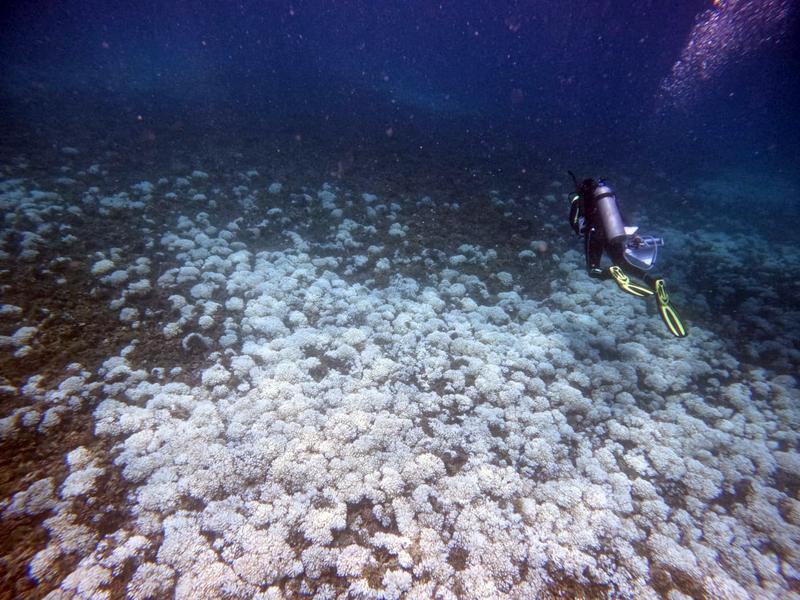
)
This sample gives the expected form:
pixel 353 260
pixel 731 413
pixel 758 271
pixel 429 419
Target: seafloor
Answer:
pixel 276 371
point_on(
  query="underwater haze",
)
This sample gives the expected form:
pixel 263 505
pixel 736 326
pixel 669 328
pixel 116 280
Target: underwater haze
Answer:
pixel 292 307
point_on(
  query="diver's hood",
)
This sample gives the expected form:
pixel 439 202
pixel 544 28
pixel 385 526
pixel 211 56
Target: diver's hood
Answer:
pixel 641 251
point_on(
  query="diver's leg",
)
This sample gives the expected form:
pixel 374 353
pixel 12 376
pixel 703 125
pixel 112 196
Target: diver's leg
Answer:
pixel 593 248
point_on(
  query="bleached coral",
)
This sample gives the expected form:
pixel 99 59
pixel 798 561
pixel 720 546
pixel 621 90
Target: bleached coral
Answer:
pixel 37 498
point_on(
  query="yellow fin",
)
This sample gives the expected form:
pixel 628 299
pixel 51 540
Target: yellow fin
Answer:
pixel 668 313
pixel 626 285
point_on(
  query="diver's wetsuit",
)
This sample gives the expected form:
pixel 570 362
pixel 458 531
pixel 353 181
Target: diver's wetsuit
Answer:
pixel 594 236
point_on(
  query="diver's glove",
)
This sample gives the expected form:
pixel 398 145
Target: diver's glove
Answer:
pixel 626 285
pixel 668 313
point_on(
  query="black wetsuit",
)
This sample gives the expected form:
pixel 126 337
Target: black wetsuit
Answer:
pixel 584 218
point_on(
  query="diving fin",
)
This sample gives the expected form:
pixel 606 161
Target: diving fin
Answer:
pixel 625 283
pixel 668 313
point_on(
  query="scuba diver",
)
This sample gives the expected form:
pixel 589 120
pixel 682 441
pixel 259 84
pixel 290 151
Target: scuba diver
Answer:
pixel 594 214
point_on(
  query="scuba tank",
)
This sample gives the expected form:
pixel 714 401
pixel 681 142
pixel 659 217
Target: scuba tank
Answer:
pixel 606 203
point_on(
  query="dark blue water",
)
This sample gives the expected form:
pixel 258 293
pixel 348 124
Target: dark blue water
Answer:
pixel 580 81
